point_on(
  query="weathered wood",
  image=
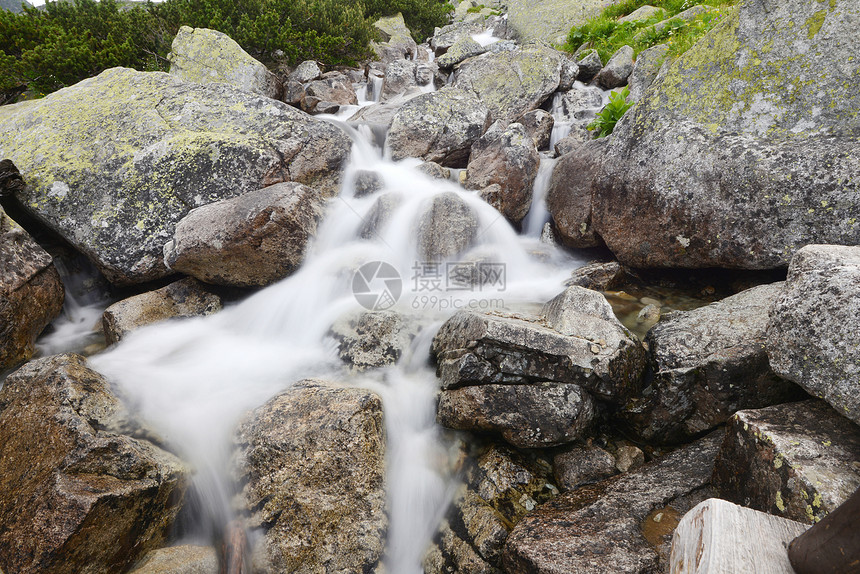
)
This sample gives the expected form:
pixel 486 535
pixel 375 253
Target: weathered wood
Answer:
pixel 719 537
pixel 833 545
pixel 234 550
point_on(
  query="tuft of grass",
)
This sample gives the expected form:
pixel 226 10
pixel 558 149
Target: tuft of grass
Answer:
pixel 611 113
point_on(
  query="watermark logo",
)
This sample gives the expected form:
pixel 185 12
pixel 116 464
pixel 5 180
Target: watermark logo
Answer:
pixel 377 286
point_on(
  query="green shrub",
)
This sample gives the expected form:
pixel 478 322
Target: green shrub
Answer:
pixel 611 113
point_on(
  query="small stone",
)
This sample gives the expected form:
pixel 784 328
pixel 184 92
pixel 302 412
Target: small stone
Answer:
pixel 629 457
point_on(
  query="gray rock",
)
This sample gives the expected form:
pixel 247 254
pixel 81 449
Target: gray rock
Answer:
pixel 114 162
pixel 792 460
pixel 397 40
pixel 538 125
pixel 379 215
pixel 506 157
pixel 204 56
pixel 641 13
pixel 332 88
pixel 645 70
pixel 14 5
pixel 251 240
pixel 727 163
pixel 311 462
pixel 708 364
pixel 589 65
pixel 305 72
pixel 185 559
pixel 616 71
pixel 446 227
pixel 549 20
pixel 581 103
pixel 576 137
pixel 569 196
pixel 576 339
pixel 293 93
pixel 512 83
pixel 582 464
pixel 31 293
pixel 567 75
pixel 464 48
pixel 812 334
pixel 447 36
pixel 536 415
pixel 425 73
pixel 629 457
pixel 610 526
pixel 184 298
pixel 598 276
pixel 374 339
pixel 399 77
pixel 367 182
pixel 439 126
pixel 82 489
pixel 434 170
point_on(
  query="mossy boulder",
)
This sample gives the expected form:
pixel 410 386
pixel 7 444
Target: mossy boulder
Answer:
pixel 549 20
pixel 204 56
pixel 114 162
pixel 744 149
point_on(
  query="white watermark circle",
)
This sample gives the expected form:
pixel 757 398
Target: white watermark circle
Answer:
pixel 377 286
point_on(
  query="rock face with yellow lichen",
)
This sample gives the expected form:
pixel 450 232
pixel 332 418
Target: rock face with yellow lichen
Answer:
pixel 746 148
pixel 114 162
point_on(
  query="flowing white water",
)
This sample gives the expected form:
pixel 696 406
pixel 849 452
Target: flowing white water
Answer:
pixel 538 214
pixel 193 379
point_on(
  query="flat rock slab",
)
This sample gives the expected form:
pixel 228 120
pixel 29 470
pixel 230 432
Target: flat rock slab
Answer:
pixel 797 460
pixel 549 20
pixel 185 559
pixel 718 537
pixel 812 335
pixel 114 162
pixel 615 525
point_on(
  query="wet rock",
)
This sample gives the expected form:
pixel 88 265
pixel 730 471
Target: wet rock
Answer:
pixel 251 240
pixel 589 65
pixel 724 163
pixel 204 56
pixel 598 276
pixel 812 334
pixel 629 458
pixel 141 149
pixel 512 83
pixel 399 77
pixel 434 170
pixel 648 64
pixel 447 226
pixel 616 71
pixel 548 20
pixel 579 104
pixel 186 559
pixel 439 126
pixel 31 293
pixel 367 182
pixel 538 125
pixel 792 460
pixel 506 157
pixel 577 465
pixel 379 215
pixel 183 298
pixel 708 364
pixel 425 73
pixel 332 88
pixel 569 197
pixel 610 526
pixel 312 465
pixel 535 415
pixel 464 48
pixel 444 38
pixel 83 488
pixel 718 536
pixel 305 72
pixel 374 339
pixel 11 181
pixel 576 339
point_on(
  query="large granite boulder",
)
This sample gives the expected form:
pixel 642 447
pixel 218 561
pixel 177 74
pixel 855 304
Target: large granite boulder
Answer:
pixel 185 559
pixel 812 334
pixel 205 56
pixel 332 90
pixel 31 293
pixel 397 41
pixel 439 126
pixel 251 240
pixel 511 83
pixel 622 524
pixel 549 20
pixel 797 460
pixel 708 364
pixel 568 198
pixel 463 49
pixel 83 488
pixel 114 162
pixel 446 227
pixel 507 158
pixel 311 462
pixel 744 149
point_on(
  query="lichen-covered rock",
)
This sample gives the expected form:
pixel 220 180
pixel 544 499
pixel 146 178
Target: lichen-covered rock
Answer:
pixel 708 364
pixel 332 89
pixel 464 48
pixel 797 460
pixel 114 162
pixel 439 126
pixel 812 334
pixel 576 339
pixel 183 298
pixel 744 149
pixel 185 559
pixel 622 524
pixel 568 198
pixel 505 156
pixel 446 227
pixel 645 70
pixel 305 72
pixel 512 83
pixel 397 40
pixel 31 293
pixel 538 125
pixel 549 20
pixel 312 465
pixel 251 240
pixel 577 465
pixel 616 71
pixel 434 170
pixel 589 65
pixel 203 56
pixel 399 77
pixel 374 339
pixel 82 489
pixel 447 36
